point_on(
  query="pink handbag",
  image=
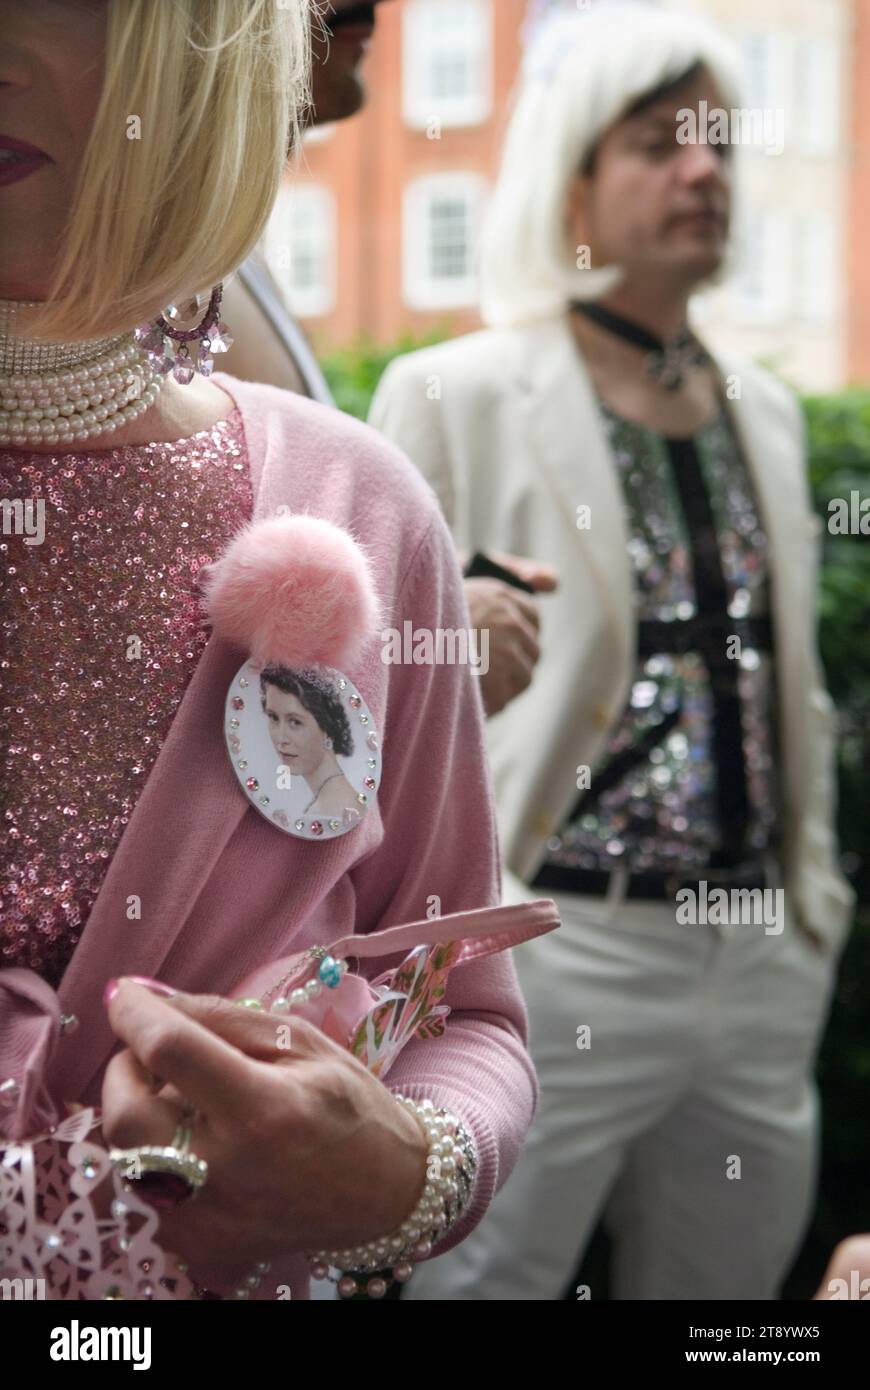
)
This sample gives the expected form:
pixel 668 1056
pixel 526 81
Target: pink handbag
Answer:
pixel 374 1019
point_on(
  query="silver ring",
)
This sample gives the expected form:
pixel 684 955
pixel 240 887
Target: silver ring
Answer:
pixel 165 1174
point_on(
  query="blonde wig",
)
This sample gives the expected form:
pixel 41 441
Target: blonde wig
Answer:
pixel 582 74
pixel 200 109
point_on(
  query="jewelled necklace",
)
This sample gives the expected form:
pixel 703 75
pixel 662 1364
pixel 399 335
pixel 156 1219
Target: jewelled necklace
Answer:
pixel 667 361
pixel 60 393
pixel 57 393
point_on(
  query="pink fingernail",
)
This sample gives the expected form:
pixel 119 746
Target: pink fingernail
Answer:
pixel 155 986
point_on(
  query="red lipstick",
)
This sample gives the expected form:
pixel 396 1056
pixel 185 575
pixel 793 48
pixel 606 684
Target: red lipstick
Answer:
pixel 21 160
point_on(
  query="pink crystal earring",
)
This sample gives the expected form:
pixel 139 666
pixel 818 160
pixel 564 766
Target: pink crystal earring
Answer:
pixel 156 336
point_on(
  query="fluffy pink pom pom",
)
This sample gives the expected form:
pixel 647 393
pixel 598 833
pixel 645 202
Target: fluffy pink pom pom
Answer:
pixel 294 590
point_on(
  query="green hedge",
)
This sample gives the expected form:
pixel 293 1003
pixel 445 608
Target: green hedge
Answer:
pixel 839 444
pixel 353 373
pixel 839 435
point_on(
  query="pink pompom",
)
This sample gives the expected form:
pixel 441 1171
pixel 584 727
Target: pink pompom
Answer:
pixel 294 590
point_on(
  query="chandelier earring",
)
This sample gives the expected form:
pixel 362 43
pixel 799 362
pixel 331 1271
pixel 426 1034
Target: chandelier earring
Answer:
pixel 158 337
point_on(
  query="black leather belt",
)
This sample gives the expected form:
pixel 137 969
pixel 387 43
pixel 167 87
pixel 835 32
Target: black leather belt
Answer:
pixel 707 633
pixel 659 887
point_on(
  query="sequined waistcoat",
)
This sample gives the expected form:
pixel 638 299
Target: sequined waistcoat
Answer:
pixel 689 777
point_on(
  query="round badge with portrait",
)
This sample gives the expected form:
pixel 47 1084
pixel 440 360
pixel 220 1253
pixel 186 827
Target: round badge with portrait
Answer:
pixel 304 748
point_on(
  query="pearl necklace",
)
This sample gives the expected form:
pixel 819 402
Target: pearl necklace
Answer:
pixel 60 393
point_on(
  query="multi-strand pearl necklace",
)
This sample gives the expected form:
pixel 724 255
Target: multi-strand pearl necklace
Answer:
pixel 59 393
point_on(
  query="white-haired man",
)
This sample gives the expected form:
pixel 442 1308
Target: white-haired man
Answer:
pixel 676 742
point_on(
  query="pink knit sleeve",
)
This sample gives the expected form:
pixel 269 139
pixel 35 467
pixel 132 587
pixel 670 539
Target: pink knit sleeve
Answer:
pixel 440 855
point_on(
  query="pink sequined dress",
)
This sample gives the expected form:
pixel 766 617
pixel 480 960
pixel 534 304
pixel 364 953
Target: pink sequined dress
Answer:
pixel 102 632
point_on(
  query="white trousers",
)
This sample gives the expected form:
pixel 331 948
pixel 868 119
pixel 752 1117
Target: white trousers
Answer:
pixel 690 1120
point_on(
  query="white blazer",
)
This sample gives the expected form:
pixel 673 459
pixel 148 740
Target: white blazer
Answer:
pixel 504 426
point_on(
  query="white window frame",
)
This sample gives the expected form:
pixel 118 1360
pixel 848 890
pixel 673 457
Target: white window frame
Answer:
pixel 766 235
pixel 422 108
pixel 816 93
pixel 772 45
pixel 306 301
pixel 815 268
pixel 778 65
pixel 420 287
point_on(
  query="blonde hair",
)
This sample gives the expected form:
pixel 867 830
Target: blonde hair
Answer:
pixel 217 88
pixel 581 76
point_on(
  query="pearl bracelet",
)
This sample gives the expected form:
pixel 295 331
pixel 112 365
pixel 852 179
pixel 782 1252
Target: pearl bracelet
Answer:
pixel 451 1164
pixel 450 1167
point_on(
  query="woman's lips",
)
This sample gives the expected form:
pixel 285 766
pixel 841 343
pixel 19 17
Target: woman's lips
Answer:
pixel 14 170
pixel 25 160
pixel 9 142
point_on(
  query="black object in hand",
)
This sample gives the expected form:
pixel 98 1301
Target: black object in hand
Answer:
pixel 480 566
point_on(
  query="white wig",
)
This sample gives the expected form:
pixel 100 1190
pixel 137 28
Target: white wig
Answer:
pixel 581 75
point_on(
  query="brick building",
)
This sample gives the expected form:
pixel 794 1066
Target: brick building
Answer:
pixel 375 235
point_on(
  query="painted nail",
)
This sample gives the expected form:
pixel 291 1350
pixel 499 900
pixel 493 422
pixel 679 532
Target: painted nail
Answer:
pixel 155 986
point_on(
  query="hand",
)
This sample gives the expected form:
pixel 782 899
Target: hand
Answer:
pixel 542 577
pixel 512 619
pixel 850 1263
pixel 306 1149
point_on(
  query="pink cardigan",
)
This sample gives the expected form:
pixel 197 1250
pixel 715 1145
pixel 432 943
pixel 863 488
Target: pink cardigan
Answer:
pixel 223 892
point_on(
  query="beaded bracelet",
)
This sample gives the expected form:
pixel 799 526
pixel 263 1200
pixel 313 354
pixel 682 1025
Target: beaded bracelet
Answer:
pixel 450 1168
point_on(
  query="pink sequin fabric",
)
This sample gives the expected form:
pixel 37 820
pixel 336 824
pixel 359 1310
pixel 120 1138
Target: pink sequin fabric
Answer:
pixel 102 631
